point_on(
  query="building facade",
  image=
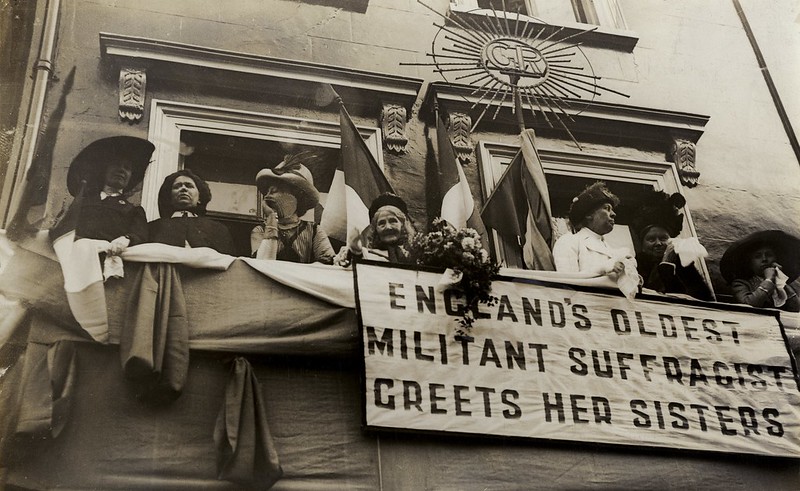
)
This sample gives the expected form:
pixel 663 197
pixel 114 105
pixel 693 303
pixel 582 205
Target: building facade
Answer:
pixel 697 97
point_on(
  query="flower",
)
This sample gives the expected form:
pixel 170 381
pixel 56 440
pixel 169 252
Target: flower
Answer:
pixel 460 250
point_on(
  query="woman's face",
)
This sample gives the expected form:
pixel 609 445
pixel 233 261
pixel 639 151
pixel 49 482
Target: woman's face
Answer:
pixel 184 194
pixel 280 197
pixel 601 220
pixel 762 258
pixel 654 242
pixel 388 226
pixel 118 174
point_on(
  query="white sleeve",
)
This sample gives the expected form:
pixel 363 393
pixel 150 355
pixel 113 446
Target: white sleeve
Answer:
pixel 565 254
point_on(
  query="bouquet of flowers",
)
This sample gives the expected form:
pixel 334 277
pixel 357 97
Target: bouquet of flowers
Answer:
pixel 461 251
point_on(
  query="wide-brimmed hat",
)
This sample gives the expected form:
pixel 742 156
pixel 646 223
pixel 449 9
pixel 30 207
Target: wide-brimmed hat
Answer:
pixel 735 263
pixel 659 209
pixel 387 199
pixel 90 164
pixel 294 174
pixel 590 199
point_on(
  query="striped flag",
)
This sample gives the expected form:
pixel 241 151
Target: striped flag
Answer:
pixel 456 204
pixel 83 277
pixel 358 180
pixel 519 207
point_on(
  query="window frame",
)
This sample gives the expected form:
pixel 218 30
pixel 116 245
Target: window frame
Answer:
pixel 661 175
pixel 604 13
pixel 168 118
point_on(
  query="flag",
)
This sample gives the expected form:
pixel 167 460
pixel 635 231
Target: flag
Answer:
pixel 519 207
pixel 83 277
pixel 37 178
pixel 454 198
pixel 357 181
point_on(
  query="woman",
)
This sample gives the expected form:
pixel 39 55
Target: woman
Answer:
pixel 591 216
pixel 656 224
pixel 386 238
pixel 106 172
pixel 182 202
pixel 288 193
pixel 761 267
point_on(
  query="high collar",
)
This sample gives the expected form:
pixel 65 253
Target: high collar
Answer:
pixel 184 214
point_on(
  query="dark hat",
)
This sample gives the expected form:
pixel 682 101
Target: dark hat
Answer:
pixel 387 199
pixel 90 164
pixel 292 172
pixel 735 263
pixel 659 209
pixel 590 199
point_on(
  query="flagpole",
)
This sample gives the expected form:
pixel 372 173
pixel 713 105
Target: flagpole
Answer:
pixel 518 103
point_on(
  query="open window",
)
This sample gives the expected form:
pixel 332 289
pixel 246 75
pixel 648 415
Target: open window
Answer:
pixel 567 173
pixel 227 148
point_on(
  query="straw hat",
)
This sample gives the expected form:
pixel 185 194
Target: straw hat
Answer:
pixel 735 263
pixel 294 174
pixel 91 163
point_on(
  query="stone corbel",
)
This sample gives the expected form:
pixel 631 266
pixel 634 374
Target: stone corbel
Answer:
pixel 393 124
pixel 683 153
pixel 132 84
pixel 459 125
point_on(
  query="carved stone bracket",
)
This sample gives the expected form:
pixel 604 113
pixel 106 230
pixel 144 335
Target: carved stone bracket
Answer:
pixel 459 125
pixel 683 153
pixel 132 85
pixel 393 124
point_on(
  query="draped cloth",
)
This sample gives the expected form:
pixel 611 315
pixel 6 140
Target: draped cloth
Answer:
pixel 245 450
pixel 154 341
pixel 48 385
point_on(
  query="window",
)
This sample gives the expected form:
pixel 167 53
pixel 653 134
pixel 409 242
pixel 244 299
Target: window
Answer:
pixel 227 148
pixel 567 173
pixel 558 12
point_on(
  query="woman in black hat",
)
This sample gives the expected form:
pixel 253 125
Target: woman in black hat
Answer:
pixel 388 235
pixel 656 224
pixel 761 268
pixel 104 174
pixel 591 216
pixel 182 201
pixel 288 193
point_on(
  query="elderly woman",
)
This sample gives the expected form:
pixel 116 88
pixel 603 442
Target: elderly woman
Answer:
pixel 760 268
pixel 387 236
pixel 657 223
pixel 288 193
pixel 106 172
pixel 182 202
pixel 591 216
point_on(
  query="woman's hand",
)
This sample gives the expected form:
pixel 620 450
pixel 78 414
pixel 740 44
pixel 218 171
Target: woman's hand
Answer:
pixel 670 256
pixel 771 273
pixel 118 245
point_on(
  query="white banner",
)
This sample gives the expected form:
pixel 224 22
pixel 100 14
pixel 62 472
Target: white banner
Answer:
pixel 555 363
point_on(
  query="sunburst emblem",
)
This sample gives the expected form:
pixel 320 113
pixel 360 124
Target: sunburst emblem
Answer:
pixel 504 56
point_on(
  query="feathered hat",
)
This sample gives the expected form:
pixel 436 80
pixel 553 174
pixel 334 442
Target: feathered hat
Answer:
pixel 292 172
pixel 659 209
pixel 590 199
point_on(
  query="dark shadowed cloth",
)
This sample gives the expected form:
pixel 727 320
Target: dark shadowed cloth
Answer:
pixel 48 384
pixel 245 450
pixel 196 231
pixel 154 340
pixel 110 218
